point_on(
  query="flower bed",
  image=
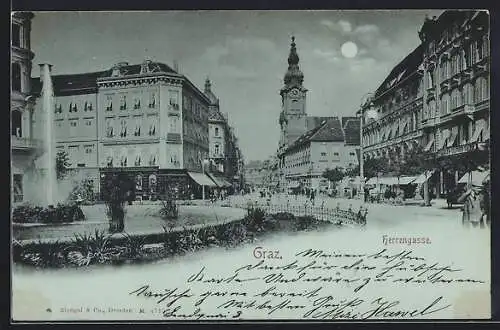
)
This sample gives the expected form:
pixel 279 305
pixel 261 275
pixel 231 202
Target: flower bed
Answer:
pixel 101 248
pixel 62 213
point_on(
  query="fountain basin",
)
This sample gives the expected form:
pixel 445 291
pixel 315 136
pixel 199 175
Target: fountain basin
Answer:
pixel 139 220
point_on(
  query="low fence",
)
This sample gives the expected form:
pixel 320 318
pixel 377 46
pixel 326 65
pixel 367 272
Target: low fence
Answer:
pixel 334 215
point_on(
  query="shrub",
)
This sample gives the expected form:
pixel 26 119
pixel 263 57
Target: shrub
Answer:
pixel 88 249
pixel 62 213
pixel 42 254
pixel 83 189
pixel 190 240
pixel 283 216
pixel 172 241
pixel 169 209
pixel 305 222
pixel 134 246
pixel 254 219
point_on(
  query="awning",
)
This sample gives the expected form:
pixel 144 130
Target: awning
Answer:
pixel 392 181
pixel 423 177
pixel 453 137
pixel 444 136
pixel 395 129
pixel 202 179
pixel 219 181
pixel 477 177
pixel 477 131
pixel 429 144
pixel 407 179
pixel 403 125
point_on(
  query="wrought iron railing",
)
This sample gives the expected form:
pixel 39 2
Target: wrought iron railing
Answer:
pixel 335 215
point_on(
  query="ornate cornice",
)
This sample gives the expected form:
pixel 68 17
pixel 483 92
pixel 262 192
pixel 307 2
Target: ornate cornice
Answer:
pixel 137 81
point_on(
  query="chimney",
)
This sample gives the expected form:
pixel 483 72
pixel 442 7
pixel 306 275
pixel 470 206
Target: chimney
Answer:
pixel 176 66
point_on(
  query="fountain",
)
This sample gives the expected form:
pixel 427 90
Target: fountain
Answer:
pixel 47 96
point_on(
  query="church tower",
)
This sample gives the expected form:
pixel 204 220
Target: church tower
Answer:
pixel 293 101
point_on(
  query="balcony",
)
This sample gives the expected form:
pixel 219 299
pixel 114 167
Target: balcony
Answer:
pixel 457 150
pixel 399 139
pixel 24 144
pixel 173 138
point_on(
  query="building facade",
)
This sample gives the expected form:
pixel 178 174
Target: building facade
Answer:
pixel 224 153
pixel 456 116
pixel 146 120
pixel 437 99
pixel 24 147
pixel 398 103
pixel 326 146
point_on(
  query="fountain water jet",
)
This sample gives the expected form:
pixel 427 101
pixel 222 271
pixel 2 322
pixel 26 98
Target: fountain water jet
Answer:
pixel 50 179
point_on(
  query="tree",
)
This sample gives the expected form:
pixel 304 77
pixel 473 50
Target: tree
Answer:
pixel 335 175
pixel 62 165
pixel 373 166
pixel 352 172
pixel 115 196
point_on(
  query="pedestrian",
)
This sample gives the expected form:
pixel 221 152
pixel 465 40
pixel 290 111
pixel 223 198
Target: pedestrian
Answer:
pixel 472 213
pixel 312 194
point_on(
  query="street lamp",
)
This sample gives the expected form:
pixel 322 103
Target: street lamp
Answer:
pixel 204 162
pixel 366 105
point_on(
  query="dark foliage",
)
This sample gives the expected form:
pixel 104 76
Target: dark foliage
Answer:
pixel 62 213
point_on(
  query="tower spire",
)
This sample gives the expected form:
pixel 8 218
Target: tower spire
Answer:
pixel 293 76
pixel 208 84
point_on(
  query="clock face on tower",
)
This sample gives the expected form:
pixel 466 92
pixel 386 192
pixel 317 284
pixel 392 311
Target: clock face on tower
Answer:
pixel 294 92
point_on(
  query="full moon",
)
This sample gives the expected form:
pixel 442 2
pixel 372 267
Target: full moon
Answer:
pixel 349 49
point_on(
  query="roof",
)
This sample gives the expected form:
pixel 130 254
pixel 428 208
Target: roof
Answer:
pixel 346 119
pixel 85 83
pixel 402 70
pixel 315 121
pixel 328 131
pixel 432 28
pixel 351 131
pixel 215 115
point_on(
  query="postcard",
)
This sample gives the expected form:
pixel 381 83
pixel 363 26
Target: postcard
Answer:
pixel 250 165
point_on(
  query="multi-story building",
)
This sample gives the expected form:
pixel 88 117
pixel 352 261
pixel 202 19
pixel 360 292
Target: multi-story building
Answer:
pixel 23 145
pixel 255 173
pixel 456 96
pixel 146 120
pixel 327 146
pixel 398 103
pixel 436 99
pixel 219 136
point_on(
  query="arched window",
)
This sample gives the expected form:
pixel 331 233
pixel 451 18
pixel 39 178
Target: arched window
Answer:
pixel 16 123
pixel 217 151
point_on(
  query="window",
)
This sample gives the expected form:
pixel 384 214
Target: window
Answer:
pixel 58 108
pixel 137 103
pixel 123 102
pixel 16 123
pixel 16 35
pixel 73 123
pixel 88 122
pixel 323 154
pixel 88 106
pixel 72 107
pixel 217 149
pixel 352 154
pixel 152 128
pixel 137 131
pixel 152 100
pixel 137 161
pixel 174 100
pixel 16 77
pixel 335 153
pixel 109 128
pixel 173 124
pixel 88 149
pixel 123 131
pixel 216 131
pixel 109 103
pixel 479 50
